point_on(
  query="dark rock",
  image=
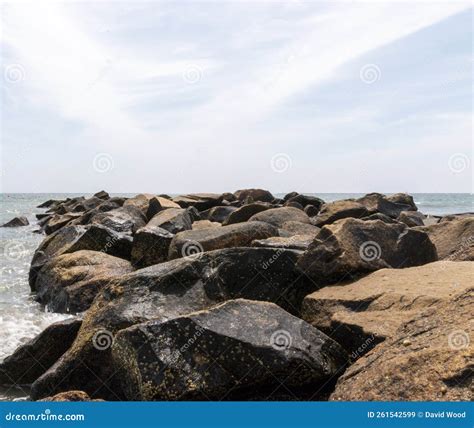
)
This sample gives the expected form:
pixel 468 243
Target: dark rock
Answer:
pixel 102 195
pixel 228 197
pixel 235 351
pixel 294 205
pixel 17 222
pixel 278 216
pixel 85 205
pixel 217 214
pixel 173 220
pixel 379 216
pixel 42 216
pixel 49 203
pixel 245 212
pixel 157 204
pixel 306 200
pixel 403 199
pixel 33 358
pixel 349 248
pixel 337 210
pixel 454 240
pixel 290 195
pixel 126 219
pixel 411 218
pixel 256 195
pixel 54 245
pixel 166 291
pixel 376 202
pixel 72 396
pixel 201 201
pixel 192 242
pixel 311 210
pixel 69 282
pixel 429 358
pixel 59 221
pixel 97 237
pixel 150 246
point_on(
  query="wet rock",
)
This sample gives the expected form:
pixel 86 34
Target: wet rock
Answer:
pixel 234 235
pixel 33 358
pixel 69 282
pixel 17 222
pixel 364 313
pixel 278 216
pixel 337 210
pixel 165 291
pixel 255 194
pixel 429 358
pixel 349 248
pixel 454 240
pixel 150 246
pixel 237 350
pixel 245 212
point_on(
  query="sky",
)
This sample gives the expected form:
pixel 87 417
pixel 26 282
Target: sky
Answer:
pixel 191 96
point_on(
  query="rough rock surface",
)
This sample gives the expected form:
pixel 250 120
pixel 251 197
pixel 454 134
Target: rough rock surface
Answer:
pixel 337 210
pixel 150 246
pixel 390 206
pixel 173 220
pixel 351 247
pixel 238 350
pixel 278 216
pixel 294 242
pixel 125 219
pixel 361 314
pixel 245 212
pixel 70 396
pixel 33 358
pixel 291 228
pixel 411 218
pixel 17 222
pixel 429 358
pixel 454 240
pixel 200 201
pixel 165 291
pixel 69 283
pixel 190 242
pixel 217 214
pixel 254 194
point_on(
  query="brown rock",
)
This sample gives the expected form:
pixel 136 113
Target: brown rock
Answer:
pixel 255 194
pixel 337 210
pixel 245 212
pixel 278 216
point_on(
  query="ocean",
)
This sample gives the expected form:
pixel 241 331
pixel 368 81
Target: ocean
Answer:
pixel 21 318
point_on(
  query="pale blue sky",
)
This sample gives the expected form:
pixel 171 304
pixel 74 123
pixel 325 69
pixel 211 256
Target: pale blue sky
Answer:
pixel 215 96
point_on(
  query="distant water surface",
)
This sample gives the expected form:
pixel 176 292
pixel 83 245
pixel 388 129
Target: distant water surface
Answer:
pixel 21 318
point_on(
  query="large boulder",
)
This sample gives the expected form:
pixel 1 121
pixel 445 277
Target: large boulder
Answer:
pixel 36 356
pixel 403 199
pixel 205 224
pixel 278 216
pixel 173 220
pixel 454 240
pixel 254 195
pixel 234 235
pixel 244 212
pixel 337 210
pixel 52 246
pixel 201 201
pixel 239 350
pixel 351 247
pixel 150 246
pixel 305 200
pixel 391 206
pixel 102 195
pixel 217 214
pixel 149 204
pixel 125 219
pixel 294 242
pixel 165 291
pixel 16 222
pixel 58 221
pixel 362 314
pixel 429 358
pixel 69 282
pixel 291 228
pixel 411 218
